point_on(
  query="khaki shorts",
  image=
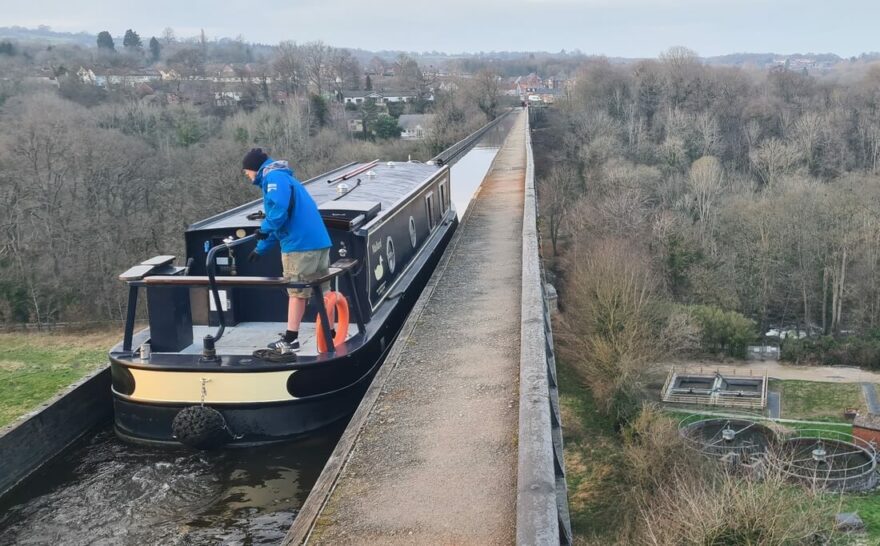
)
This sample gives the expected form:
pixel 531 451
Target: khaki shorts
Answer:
pixel 300 265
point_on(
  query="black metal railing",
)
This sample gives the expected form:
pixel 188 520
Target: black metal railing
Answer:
pixel 450 155
pixel 342 269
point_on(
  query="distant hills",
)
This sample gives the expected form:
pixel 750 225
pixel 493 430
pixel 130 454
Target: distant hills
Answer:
pixel 761 60
pixel 46 34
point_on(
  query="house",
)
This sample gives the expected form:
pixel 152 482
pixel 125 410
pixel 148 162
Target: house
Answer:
pixel 126 79
pixel 867 428
pixel 358 97
pixel 86 75
pixel 381 97
pixel 415 126
pixel 170 75
pixel 227 98
pixel 354 122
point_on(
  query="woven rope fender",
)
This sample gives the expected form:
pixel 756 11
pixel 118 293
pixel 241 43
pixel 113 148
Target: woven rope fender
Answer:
pixel 200 427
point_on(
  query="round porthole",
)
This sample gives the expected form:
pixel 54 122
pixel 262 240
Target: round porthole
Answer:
pixel 412 232
pixel 389 253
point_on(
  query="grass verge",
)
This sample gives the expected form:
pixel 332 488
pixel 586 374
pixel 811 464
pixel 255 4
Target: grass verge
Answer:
pixel 36 366
pixel 815 401
pixel 592 459
pixel 868 507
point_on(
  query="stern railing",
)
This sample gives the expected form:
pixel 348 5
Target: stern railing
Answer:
pixel 343 268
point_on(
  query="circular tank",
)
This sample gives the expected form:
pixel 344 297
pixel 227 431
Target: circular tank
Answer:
pixel 828 460
pixel 726 437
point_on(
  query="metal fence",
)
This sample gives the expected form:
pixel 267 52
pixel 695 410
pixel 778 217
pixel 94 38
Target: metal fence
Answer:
pixel 542 495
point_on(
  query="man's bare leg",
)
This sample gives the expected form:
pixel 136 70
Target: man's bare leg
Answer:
pixel 296 308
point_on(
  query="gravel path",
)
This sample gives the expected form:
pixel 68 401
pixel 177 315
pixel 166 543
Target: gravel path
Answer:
pixel 871 397
pixel 777 370
pixel 774 405
pixel 436 460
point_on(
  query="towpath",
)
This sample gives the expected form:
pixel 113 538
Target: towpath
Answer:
pixel 871 397
pixel 431 454
pixel 777 370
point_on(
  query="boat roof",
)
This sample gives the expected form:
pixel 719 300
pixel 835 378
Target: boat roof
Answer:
pixel 385 183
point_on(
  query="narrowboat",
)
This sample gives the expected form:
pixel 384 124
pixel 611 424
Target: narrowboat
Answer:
pixel 200 374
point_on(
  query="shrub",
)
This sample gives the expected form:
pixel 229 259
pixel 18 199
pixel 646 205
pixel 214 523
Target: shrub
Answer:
pixel 725 332
pixel 684 498
pixel 606 331
pixel 862 350
pixel 728 509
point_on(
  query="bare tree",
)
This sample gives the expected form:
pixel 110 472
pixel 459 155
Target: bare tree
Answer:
pixel 345 70
pixel 290 67
pixel 706 185
pixel 485 90
pixel 774 158
pixel 315 56
pixel 556 195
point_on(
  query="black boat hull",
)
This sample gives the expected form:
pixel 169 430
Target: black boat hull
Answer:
pixel 331 391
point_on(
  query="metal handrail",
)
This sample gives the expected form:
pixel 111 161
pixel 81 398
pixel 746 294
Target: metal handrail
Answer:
pixel 211 266
pixel 447 156
pixel 209 341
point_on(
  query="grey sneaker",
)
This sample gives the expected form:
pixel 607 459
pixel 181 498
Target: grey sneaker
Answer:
pixel 284 347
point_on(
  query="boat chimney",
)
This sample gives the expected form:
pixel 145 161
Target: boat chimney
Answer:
pixel 209 353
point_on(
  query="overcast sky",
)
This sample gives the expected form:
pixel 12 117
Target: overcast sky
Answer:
pixel 626 28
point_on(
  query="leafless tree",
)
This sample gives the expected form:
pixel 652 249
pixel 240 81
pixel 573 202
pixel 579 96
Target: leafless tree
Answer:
pixel 315 56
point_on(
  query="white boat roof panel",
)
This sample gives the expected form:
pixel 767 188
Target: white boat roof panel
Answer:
pixel 386 183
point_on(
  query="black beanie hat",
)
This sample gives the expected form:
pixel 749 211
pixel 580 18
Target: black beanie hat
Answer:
pixel 254 159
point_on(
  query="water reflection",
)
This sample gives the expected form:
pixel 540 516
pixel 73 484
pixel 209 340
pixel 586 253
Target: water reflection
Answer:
pixel 468 173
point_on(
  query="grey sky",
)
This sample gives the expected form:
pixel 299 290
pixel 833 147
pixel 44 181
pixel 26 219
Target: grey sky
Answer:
pixel 629 28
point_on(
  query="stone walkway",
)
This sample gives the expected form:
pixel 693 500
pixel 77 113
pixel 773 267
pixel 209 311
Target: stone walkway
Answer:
pixel 871 397
pixel 778 370
pixel 436 458
pixel 774 405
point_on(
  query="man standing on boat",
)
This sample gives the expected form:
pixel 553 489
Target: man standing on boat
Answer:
pixel 293 221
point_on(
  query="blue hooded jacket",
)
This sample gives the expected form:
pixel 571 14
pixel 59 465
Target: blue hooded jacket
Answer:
pixel 301 230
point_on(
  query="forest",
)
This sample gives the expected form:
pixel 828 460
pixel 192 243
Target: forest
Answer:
pixel 94 180
pixel 685 211
pixel 739 192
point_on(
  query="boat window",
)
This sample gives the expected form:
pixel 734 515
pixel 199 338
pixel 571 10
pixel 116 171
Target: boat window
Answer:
pixel 444 201
pixel 429 206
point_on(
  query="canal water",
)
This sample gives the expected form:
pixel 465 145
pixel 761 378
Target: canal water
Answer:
pixel 104 491
pixel 470 170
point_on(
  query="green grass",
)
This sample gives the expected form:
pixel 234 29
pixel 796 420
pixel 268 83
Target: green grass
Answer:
pixel 35 367
pixel 814 401
pixel 868 507
pixel 593 455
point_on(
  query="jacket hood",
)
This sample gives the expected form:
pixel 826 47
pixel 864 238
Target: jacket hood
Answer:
pixel 271 165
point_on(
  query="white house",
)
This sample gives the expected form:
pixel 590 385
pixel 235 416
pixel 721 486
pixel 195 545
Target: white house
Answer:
pixel 86 75
pixel 358 97
pixel 415 126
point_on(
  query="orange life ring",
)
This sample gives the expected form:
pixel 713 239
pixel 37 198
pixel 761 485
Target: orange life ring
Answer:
pixel 334 300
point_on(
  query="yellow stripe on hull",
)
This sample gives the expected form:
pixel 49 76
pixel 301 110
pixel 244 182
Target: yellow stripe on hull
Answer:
pixel 220 388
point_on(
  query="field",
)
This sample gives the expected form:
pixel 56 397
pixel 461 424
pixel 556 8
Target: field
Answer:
pixel 36 366
pixel 813 401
